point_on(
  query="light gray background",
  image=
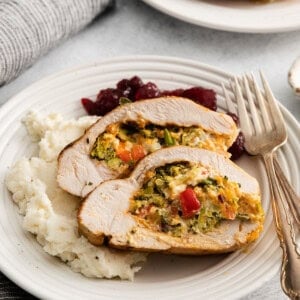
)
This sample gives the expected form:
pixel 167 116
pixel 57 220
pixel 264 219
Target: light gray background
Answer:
pixel 135 28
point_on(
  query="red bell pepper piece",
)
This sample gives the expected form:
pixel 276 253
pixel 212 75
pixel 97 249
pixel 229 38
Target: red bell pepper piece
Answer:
pixel 190 204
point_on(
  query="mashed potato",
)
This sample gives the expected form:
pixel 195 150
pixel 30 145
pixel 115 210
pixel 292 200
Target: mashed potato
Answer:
pixel 50 213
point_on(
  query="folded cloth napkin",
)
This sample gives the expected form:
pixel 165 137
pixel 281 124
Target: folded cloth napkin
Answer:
pixel 29 28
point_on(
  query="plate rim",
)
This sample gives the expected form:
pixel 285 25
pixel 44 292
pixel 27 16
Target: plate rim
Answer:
pixel 12 275
pixel 120 58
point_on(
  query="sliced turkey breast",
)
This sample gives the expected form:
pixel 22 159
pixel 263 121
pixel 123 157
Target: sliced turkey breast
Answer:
pixel 177 200
pixel 112 146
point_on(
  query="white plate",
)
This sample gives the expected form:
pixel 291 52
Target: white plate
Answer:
pixel 168 277
pixel 234 15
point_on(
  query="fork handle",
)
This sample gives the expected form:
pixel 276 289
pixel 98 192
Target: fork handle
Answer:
pixel 284 222
pixel 292 198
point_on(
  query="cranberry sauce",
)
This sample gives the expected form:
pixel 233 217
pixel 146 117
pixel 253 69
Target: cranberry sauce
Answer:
pixel 135 89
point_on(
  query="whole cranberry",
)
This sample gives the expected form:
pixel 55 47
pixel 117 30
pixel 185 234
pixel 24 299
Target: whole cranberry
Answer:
pixel 89 106
pixel 107 100
pixel 136 82
pixel 124 88
pixel 147 91
pixel 205 97
pixel 238 147
pixel 123 84
pixel 128 87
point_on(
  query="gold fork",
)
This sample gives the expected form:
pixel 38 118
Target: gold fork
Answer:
pixel 263 136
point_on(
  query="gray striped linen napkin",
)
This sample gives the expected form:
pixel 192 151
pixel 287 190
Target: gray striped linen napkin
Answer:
pixel 29 28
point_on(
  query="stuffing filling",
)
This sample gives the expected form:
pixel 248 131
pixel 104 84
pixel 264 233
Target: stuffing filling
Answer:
pixel 122 145
pixel 184 198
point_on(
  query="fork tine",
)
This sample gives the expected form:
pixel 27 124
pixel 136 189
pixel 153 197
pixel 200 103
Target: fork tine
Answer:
pixel 241 107
pixel 252 107
pixel 229 103
pixel 274 108
pixel 261 104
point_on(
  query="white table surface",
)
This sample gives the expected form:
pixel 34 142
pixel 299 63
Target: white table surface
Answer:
pixel 135 28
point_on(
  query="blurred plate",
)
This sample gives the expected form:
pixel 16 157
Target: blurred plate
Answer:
pixel 234 15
